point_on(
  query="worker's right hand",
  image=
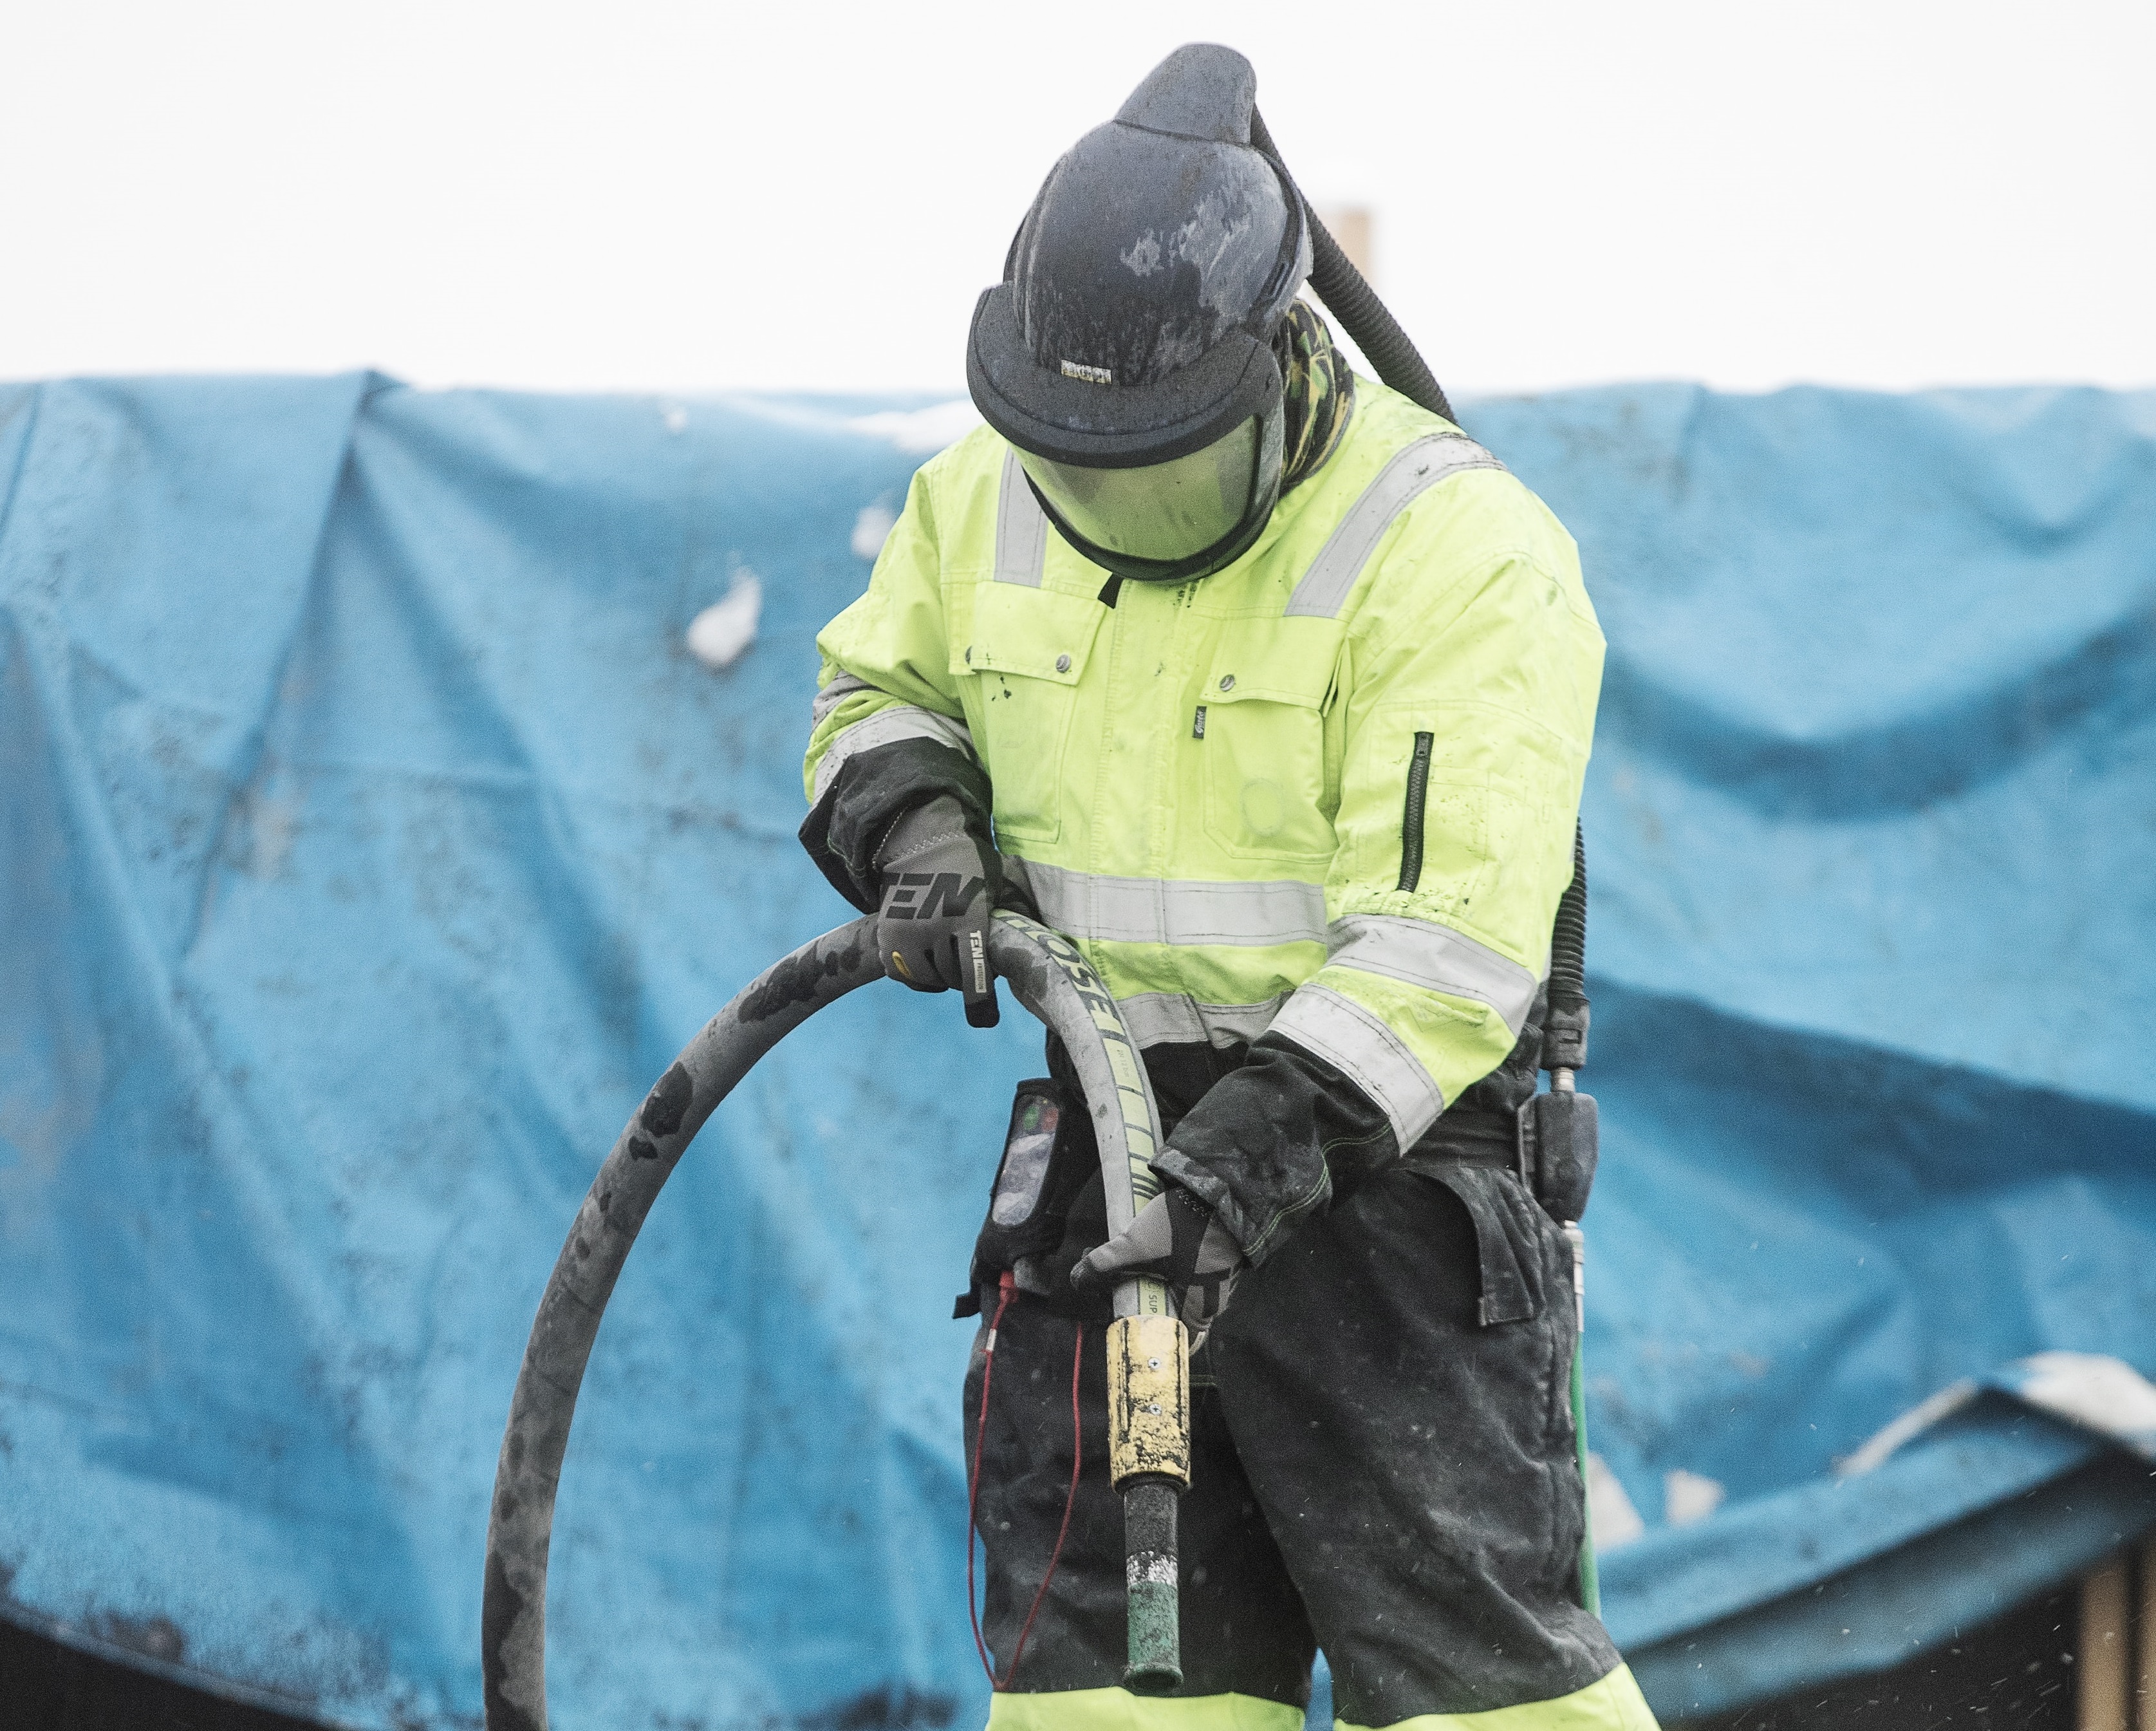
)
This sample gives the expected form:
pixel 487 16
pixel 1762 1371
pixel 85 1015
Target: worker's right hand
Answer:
pixel 940 881
pixel 1178 1240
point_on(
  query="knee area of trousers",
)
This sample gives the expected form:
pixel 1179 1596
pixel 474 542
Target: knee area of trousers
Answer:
pixel 1119 1710
pixel 1613 1702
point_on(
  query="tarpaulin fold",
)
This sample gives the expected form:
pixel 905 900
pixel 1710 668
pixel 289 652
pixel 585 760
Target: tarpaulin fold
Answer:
pixel 370 838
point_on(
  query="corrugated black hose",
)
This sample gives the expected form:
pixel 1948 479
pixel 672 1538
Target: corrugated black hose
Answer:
pixel 1366 318
pixel 1564 1030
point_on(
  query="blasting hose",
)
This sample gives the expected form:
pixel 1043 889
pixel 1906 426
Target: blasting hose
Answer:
pixel 1148 1352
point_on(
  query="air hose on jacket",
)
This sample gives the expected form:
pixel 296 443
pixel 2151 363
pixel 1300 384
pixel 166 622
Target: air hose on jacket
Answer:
pixel 1148 1355
pixel 1564 1029
pixel 1366 318
pixel 1560 1131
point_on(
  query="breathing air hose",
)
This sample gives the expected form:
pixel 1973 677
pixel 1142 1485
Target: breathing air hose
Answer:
pixel 1566 1133
pixel 1147 1351
pixel 1563 1124
pixel 1366 318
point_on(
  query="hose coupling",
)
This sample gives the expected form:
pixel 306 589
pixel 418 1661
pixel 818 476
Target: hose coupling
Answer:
pixel 1148 1400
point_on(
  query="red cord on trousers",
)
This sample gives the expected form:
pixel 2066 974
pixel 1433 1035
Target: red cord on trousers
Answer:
pixel 1006 1290
pixel 1069 1502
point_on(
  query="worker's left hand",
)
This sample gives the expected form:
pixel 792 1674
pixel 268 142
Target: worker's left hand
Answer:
pixel 1176 1239
pixel 940 881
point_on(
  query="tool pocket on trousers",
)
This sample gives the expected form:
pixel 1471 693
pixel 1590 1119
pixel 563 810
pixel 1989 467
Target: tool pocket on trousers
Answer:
pixel 1508 1238
pixel 1049 1155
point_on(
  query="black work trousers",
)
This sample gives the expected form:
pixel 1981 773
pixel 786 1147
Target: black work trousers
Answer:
pixel 1382 1465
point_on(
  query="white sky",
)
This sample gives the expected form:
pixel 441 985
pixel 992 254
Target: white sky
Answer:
pixel 677 197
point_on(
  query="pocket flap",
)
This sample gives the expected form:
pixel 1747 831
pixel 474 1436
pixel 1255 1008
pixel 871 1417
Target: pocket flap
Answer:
pixel 1037 633
pixel 1275 660
pixel 1508 1237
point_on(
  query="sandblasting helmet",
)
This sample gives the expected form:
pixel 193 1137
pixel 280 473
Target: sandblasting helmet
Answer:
pixel 1127 353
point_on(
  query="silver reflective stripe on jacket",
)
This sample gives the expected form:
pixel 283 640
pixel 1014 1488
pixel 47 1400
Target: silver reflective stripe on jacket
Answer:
pixel 1324 586
pixel 1437 958
pixel 904 721
pixel 1156 910
pixel 1357 1042
pixel 1021 528
pixel 1176 1019
pixel 842 686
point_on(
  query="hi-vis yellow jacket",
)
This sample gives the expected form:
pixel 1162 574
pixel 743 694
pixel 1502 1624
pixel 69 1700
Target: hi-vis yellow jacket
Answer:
pixel 1327 794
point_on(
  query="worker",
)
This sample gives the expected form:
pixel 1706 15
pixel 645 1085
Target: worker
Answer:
pixel 1274 692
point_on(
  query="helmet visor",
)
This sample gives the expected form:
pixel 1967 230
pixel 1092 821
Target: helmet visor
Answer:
pixel 1163 513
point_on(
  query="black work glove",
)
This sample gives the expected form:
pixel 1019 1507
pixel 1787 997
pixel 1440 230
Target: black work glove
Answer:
pixel 1177 1240
pixel 939 885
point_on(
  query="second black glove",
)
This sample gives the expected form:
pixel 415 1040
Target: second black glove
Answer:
pixel 1177 1240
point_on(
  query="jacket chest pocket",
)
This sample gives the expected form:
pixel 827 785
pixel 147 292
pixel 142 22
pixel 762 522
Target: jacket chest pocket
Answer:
pixel 1020 665
pixel 1270 743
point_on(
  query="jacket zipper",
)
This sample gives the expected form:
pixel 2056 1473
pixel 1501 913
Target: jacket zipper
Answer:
pixel 1411 819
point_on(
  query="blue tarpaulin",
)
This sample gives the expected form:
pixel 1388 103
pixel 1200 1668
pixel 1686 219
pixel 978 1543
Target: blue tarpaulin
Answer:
pixel 369 839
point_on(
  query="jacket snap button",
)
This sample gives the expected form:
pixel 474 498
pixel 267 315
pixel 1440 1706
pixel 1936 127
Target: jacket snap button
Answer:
pixel 1063 663
pixel 1227 681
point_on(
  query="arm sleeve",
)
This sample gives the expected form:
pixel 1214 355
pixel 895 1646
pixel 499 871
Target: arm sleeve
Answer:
pixel 888 731
pixel 1467 736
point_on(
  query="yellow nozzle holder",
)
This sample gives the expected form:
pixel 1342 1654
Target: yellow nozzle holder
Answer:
pixel 1148 1399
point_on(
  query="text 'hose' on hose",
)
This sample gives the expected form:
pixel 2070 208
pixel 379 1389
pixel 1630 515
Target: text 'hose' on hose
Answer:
pixel 1148 1351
